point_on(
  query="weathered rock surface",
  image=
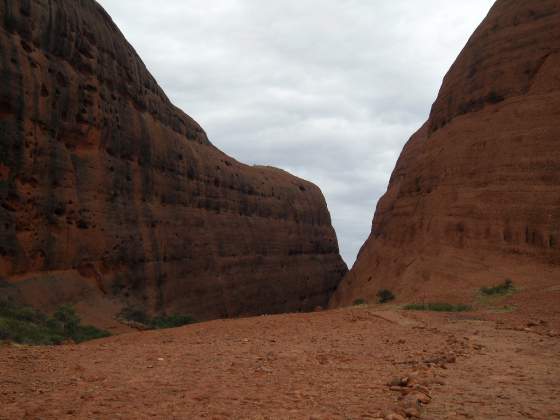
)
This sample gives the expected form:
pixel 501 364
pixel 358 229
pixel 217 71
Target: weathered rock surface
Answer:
pixel 110 193
pixel 475 195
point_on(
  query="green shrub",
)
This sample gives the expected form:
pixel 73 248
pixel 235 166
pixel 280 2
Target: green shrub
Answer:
pixel 24 332
pixel 20 313
pixel 172 321
pixel 68 319
pixel 359 302
pixel 87 333
pixel 437 307
pixel 501 289
pixel 25 325
pixel 384 296
pixel 157 323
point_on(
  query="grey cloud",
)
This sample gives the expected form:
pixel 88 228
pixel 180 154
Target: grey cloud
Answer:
pixel 329 90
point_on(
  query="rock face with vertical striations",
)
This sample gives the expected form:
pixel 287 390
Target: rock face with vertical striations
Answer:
pixel 110 194
pixel 475 196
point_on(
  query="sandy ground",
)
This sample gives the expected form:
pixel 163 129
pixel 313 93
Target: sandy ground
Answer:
pixel 357 363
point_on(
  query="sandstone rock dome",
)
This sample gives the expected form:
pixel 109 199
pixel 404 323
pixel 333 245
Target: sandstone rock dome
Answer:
pixel 475 195
pixel 111 196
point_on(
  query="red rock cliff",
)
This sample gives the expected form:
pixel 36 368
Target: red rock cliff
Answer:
pixel 475 196
pixel 110 193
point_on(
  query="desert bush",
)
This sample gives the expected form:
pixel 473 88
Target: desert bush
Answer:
pixel 171 321
pixel 501 289
pixel 359 302
pixel 384 296
pixel 437 307
pixel 87 332
pixel 24 332
pixel 67 318
pixel 157 323
pixel 25 325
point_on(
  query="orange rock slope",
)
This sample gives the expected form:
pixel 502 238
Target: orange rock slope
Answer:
pixel 475 196
pixel 110 194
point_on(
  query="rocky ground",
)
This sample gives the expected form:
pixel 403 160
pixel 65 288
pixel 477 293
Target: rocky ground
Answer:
pixel 355 363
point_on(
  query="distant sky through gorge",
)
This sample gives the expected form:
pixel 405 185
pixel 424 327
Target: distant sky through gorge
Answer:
pixel 329 90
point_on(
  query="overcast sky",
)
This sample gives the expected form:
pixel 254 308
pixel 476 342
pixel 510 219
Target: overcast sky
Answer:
pixel 329 90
